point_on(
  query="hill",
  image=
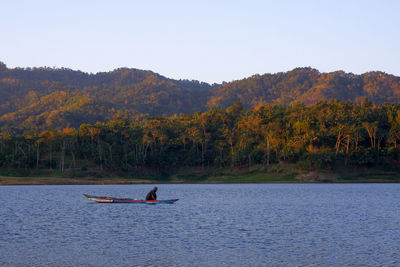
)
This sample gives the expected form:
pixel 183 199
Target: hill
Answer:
pixel 42 98
pixel 308 86
pixel 48 97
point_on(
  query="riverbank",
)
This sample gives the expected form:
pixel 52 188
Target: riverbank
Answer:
pixel 278 173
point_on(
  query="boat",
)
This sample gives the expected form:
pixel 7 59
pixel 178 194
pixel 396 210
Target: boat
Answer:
pixel 128 200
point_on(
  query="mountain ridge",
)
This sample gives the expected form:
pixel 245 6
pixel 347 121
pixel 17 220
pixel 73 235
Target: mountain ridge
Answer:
pixel 59 97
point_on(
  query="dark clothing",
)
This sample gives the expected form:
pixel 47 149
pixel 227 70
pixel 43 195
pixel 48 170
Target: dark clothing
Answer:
pixel 152 194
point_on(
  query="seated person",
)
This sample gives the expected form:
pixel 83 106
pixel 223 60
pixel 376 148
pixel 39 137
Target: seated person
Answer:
pixel 152 194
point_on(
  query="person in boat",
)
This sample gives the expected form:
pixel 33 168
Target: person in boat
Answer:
pixel 152 194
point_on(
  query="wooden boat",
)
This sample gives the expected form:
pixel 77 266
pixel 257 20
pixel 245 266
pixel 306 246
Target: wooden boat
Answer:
pixel 128 200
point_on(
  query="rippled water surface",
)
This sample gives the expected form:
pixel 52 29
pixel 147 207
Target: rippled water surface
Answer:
pixel 211 225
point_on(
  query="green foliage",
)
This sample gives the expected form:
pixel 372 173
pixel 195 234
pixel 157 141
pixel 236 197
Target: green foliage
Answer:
pixel 316 161
pixel 319 137
pixel 127 121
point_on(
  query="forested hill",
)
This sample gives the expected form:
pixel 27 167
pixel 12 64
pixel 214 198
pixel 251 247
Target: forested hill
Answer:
pixel 43 98
pixel 55 98
pixel 308 86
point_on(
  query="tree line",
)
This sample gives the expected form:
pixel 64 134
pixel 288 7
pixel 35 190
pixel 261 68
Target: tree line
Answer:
pixel 321 136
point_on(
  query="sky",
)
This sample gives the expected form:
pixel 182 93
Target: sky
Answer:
pixel 210 41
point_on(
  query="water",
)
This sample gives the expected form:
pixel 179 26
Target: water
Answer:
pixel 211 225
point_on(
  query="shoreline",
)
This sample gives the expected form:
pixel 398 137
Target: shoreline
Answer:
pixel 281 173
pixel 191 183
pixel 21 181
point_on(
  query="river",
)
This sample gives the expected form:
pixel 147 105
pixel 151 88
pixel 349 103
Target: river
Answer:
pixel 211 225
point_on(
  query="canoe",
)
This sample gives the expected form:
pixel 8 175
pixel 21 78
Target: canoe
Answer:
pixel 128 200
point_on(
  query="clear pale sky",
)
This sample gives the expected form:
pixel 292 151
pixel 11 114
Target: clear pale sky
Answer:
pixel 210 41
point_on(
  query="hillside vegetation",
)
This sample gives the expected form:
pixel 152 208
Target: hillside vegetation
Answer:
pixel 137 124
pixel 326 136
pixel 308 86
pixel 49 98
pixel 42 98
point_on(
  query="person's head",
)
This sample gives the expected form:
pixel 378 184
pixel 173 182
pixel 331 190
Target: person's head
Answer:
pixel 155 189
